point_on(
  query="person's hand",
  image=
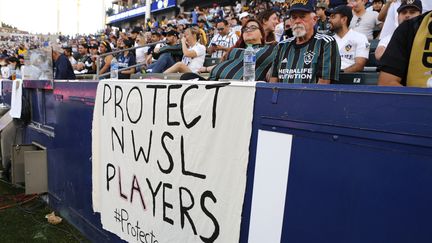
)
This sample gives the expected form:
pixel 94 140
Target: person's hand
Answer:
pixel 183 40
pixel 202 70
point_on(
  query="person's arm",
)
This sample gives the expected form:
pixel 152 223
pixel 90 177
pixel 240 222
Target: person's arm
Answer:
pixel 388 79
pixel 379 51
pixel 395 60
pixel 329 63
pixel 358 66
pixel 105 68
pixel 383 13
pixel 323 81
pixel 273 80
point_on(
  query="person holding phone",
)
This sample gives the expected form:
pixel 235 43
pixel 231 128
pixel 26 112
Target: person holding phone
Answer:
pixel 222 41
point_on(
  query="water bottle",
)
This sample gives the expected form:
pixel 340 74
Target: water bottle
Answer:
pixel 114 69
pixel 18 74
pixel 249 64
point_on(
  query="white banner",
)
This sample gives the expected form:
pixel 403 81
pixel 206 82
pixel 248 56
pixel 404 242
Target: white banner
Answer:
pixel 170 159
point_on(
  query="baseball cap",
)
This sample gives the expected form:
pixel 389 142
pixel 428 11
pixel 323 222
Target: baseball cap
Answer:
pixel 242 15
pixel 410 4
pixel 302 5
pixel 136 30
pixel 322 5
pixel 343 10
pixel 172 32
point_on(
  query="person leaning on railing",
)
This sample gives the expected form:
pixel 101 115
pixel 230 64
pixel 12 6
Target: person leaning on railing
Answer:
pixel 105 64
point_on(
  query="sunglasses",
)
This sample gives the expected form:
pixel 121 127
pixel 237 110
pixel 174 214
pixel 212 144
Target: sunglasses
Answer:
pixel 220 29
pixel 250 28
pixel 357 24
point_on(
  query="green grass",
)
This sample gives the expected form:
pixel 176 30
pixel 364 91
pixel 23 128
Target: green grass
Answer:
pixel 27 222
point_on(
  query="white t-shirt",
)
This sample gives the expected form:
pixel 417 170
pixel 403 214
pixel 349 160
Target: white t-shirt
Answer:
pixel 427 5
pixel 279 31
pixel 385 41
pixel 365 24
pixel 227 40
pixel 197 62
pixel 391 21
pixel 352 45
pixel 140 54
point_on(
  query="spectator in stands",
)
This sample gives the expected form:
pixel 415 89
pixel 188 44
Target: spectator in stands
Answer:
pixel 377 5
pixel 85 62
pixel 222 41
pixel 167 55
pixel 140 53
pixel 363 21
pixel 62 67
pixel 126 59
pixel 252 34
pixel 323 23
pixel 134 34
pixel 14 67
pixel 405 12
pixel 22 50
pixel 235 26
pixel 155 37
pixel 407 59
pixel 287 29
pixel 353 46
pixel 308 57
pixel 193 53
pixel 202 29
pixel 68 53
pixel 244 18
pixel 105 63
pixel 269 19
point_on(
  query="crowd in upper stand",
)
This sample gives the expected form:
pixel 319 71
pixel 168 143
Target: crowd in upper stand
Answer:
pixel 298 41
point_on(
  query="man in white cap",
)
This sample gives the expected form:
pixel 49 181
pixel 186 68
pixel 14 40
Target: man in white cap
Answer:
pixel 62 66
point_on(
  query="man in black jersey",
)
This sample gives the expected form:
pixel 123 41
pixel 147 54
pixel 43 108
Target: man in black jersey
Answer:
pixel 407 60
pixel 308 57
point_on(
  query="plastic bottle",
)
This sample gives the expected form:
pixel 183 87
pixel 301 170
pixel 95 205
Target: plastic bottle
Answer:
pixel 18 74
pixel 249 64
pixel 114 68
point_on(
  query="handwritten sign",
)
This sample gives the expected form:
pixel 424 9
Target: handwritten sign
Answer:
pixel 170 159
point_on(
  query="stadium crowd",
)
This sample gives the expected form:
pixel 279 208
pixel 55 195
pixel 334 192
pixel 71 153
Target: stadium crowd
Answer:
pixel 297 41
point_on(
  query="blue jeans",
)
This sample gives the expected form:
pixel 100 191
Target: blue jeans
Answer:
pixel 164 62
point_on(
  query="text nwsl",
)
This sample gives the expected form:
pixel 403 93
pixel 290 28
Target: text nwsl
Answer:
pixel 131 107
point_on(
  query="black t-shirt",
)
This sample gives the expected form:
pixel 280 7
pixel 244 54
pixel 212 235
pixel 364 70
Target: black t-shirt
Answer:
pixel 63 68
pixel 395 59
pixel 124 62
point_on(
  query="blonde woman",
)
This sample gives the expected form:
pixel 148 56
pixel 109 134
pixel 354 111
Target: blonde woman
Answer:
pixel 193 54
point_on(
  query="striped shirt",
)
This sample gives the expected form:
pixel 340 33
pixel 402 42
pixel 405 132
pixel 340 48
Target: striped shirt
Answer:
pixel 227 41
pixel 307 62
pixel 232 68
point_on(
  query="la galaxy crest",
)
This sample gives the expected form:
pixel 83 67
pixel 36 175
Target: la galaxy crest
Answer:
pixel 308 57
pixel 348 47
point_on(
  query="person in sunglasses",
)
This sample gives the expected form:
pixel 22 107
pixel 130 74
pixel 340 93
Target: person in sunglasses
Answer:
pixel 232 68
pixel 222 41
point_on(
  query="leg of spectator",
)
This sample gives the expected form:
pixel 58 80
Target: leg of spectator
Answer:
pixel 164 62
pixel 178 68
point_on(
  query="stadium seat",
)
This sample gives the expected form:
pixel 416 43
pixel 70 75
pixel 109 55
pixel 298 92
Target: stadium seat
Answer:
pixel 362 78
pixel 211 61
